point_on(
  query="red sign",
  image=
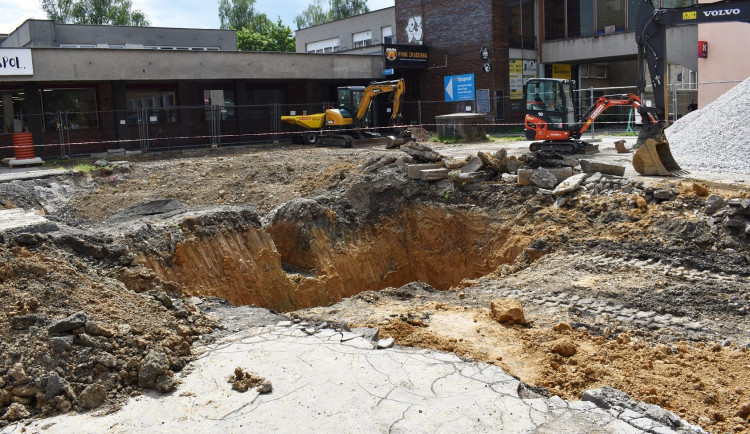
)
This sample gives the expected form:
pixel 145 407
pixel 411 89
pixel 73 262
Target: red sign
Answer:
pixel 702 49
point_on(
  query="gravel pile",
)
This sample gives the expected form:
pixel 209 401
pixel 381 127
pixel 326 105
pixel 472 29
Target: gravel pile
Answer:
pixel 716 137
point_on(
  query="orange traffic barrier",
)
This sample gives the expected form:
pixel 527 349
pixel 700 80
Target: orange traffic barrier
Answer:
pixel 23 146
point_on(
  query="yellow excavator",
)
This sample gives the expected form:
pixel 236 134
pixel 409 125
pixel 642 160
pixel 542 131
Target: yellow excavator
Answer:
pixel 346 124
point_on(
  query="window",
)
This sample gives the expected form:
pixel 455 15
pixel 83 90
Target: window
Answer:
pixel 554 19
pixel 521 15
pixel 362 39
pixel 594 71
pixel 610 16
pixel 159 105
pixel 223 100
pixel 321 46
pixel 386 34
pixel 581 18
pixel 78 104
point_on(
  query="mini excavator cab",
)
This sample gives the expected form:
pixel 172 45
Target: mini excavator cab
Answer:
pixel 551 102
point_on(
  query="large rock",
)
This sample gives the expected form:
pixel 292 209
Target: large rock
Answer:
pixel 93 396
pixel 570 185
pixel 505 310
pixel 72 322
pixel 543 178
pixel 564 347
pixel 154 365
pixel 55 386
pixel 714 203
pixel 15 412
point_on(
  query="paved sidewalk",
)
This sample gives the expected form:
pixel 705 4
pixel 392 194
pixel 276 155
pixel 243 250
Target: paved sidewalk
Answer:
pixel 326 381
pixel 29 172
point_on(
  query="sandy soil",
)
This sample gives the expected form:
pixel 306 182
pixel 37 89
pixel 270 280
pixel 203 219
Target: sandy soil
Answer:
pixel 594 248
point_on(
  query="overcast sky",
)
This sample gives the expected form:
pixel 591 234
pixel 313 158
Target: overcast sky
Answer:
pixel 200 14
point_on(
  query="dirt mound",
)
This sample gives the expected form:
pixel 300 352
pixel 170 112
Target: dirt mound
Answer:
pixel 78 339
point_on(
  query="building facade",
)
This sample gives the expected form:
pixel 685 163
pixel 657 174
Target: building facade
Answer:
pixel 155 84
pixel 361 34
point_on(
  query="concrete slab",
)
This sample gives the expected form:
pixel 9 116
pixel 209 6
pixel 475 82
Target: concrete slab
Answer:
pixel 323 385
pixel 19 218
pixel 21 173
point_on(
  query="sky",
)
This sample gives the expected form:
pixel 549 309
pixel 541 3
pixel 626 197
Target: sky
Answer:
pixel 199 14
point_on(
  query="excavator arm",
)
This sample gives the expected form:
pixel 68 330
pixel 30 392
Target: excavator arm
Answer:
pixel 379 87
pixel 652 41
pixel 605 102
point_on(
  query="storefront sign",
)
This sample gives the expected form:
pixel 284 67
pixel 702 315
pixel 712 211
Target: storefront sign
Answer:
pixel 702 49
pixel 561 70
pixel 406 56
pixel 16 61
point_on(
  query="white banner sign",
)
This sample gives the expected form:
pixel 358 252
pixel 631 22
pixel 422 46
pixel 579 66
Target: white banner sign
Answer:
pixel 15 61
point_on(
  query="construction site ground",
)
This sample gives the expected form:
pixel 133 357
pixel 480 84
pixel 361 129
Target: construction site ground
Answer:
pixel 634 283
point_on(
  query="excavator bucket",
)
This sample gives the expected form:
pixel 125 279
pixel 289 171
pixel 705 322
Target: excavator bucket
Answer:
pixel 653 157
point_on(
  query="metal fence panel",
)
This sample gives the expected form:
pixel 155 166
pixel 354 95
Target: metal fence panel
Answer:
pixel 68 134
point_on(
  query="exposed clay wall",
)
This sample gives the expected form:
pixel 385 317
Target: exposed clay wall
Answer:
pixel 436 246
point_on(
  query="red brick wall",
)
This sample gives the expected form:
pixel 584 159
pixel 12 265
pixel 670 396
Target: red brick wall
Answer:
pixel 455 32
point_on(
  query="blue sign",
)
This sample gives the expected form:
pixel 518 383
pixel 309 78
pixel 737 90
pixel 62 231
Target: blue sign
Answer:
pixel 459 87
pixel 388 71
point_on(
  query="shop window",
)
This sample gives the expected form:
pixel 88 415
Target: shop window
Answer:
pixel 13 117
pixel 159 105
pixel 222 100
pixel 78 104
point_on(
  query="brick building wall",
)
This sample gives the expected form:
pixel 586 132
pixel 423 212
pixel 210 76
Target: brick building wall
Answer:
pixel 455 32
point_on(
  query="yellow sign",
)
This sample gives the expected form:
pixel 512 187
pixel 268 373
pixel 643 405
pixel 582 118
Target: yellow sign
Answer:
pixel 516 78
pixel 516 66
pixel 560 70
pixel 689 15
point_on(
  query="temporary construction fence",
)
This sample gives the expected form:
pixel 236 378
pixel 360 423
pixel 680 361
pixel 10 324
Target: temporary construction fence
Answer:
pixel 71 134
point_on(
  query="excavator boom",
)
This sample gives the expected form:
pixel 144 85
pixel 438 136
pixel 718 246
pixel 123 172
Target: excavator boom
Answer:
pixel 654 156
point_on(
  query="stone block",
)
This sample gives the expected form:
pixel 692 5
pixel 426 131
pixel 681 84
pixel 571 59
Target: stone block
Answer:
pixel 475 165
pixel 415 170
pixel 434 174
pixel 605 169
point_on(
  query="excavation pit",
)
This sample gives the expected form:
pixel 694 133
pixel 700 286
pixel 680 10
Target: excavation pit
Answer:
pixel 305 256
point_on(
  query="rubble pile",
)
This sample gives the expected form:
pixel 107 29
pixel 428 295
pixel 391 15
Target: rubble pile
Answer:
pixel 78 340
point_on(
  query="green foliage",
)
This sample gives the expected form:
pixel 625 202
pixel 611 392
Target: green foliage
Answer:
pixel 98 12
pixel 265 35
pixel 319 13
pixel 448 139
pixel 255 31
pixel 84 168
pixel 236 14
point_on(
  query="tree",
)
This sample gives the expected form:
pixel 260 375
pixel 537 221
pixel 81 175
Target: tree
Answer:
pixel 317 12
pixel 100 12
pixel 236 14
pixel 265 35
pixel 255 31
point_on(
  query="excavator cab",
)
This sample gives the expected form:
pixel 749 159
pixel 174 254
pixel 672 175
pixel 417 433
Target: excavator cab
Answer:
pixel 349 99
pixel 550 109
